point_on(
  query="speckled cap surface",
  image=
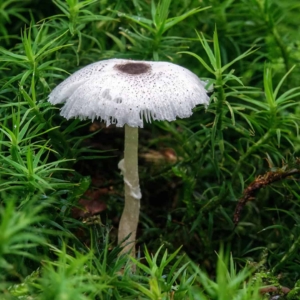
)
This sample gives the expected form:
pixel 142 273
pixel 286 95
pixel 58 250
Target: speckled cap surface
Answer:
pixel 119 91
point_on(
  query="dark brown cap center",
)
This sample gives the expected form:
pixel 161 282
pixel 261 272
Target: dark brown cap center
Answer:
pixel 133 68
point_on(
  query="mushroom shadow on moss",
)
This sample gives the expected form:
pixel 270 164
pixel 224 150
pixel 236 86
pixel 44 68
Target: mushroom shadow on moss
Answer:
pixel 126 92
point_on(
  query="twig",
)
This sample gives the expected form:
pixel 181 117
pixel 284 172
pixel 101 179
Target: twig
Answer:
pixel 261 182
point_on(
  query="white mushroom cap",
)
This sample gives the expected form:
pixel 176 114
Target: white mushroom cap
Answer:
pixel 124 91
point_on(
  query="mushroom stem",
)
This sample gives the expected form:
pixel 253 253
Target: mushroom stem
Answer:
pixel 129 167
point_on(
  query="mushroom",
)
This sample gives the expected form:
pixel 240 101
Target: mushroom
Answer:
pixel 127 92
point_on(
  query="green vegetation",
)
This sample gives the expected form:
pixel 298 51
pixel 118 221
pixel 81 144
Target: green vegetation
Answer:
pixel 193 172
